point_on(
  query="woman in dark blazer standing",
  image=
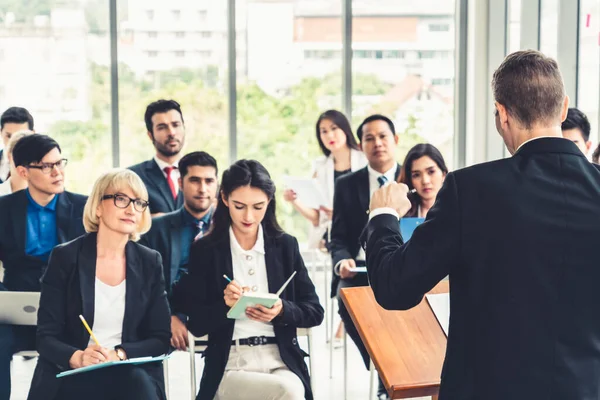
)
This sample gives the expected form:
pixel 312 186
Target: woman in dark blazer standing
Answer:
pixel 118 287
pixel 257 357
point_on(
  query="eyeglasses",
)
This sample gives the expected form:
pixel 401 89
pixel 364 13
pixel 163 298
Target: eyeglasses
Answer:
pixel 46 168
pixel 122 201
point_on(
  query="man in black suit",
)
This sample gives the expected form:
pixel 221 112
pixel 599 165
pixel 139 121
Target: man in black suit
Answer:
pixel 577 128
pixel 172 234
pixel 32 222
pixel 514 235
pixel 353 192
pixel 166 129
pixel 12 120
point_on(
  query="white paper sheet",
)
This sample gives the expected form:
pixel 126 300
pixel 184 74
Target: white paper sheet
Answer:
pixel 440 305
pixel 308 191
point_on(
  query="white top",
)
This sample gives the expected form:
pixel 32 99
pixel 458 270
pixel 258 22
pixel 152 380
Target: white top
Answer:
pixel 373 186
pixel 5 188
pixel 324 172
pixel 4 165
pixel 174 174
pixel 109 311
pixel 250 269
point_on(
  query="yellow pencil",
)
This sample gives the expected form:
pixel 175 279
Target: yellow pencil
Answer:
pixel 88 329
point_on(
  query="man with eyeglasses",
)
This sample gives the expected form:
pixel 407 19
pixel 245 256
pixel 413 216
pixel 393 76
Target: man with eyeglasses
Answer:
pixel 32 222
pixel 172 234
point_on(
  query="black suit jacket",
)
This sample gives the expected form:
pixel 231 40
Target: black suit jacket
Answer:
pixel 517 237
pixel 200 296
pixel 68 288
pixel 350 216
pixel 165 237
pixel 160 197
pixel 21 271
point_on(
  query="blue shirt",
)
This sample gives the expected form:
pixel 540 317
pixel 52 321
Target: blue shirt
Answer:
pixel 41 228
pixel 189 232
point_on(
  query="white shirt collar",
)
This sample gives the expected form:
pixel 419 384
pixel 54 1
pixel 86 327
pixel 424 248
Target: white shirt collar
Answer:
pixel 532 139
pixel 259 246
pixel 162 165
pixel 390 174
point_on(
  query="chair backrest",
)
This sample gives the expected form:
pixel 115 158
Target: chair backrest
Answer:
pixel 19 308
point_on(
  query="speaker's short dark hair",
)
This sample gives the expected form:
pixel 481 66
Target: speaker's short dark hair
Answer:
pixel 196 158
pixel 577 120
pixel 16 115
pixel 32 148
pixel 374 117
pixel 160 106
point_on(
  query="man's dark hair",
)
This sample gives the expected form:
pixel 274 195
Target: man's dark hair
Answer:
pixel 530 86
pixel 160 106
pixel 196 158
pixel 577 120
pixel 374 117
pixel 16 115
pixel 32 148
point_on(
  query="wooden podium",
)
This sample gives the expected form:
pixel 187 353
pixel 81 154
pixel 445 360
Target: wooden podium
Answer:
pixel 406 347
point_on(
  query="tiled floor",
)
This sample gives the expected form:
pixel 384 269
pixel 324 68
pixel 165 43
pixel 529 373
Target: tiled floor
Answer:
pixel 179 375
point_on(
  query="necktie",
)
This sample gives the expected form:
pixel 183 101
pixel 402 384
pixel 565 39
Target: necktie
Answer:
pixel 168 171
pixel 200 227
pixel 382 180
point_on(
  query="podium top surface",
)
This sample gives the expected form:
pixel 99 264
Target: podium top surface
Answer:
pixel 407 347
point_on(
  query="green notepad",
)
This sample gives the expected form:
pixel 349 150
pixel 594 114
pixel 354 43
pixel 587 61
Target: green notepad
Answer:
pixel 249 299
pixel 131 361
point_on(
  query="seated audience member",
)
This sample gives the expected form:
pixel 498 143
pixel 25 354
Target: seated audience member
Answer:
pixel 166 130
pixel 12 120
pixel 350 213
pixel 424 169
pixel 15 182
pixel 172 234
pixel 118 287
pixel 576 128
pixel 341 155
pixel 596 154
pixel 257 357
pixel 32 222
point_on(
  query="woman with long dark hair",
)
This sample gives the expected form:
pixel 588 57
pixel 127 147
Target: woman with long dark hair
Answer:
pixel 258 354
pixel 424 169
pixel 341 155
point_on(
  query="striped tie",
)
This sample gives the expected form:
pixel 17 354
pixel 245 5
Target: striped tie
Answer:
pixel 382 180
pixel 200 227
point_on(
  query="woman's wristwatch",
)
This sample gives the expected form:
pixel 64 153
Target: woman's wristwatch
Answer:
pixel 120 353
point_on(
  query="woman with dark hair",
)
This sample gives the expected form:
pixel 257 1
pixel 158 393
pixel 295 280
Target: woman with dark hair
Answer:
pixel 424 169
pixel 341 155
pixel 258 354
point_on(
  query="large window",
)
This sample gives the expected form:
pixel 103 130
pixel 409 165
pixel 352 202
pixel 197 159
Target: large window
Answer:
pixel 174 50
pixel 589 63
pixel 403 67
pixel 52 60
pixel 549 27
pixel 292 56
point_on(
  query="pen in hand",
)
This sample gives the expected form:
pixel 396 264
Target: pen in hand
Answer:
pixel 89 329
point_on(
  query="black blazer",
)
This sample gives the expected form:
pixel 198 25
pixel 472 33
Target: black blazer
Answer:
pixel 517 237
pixel 350 216
pixel 68 290
pixel 21 271
pixel 200 296
pixel 159 193
pixel 165 237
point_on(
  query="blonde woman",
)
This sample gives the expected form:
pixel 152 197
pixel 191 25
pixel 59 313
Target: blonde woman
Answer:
pixel 118 286
pixel 15 182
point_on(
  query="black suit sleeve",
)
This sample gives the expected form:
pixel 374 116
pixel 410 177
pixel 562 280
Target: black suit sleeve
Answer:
pixel 304 311
pixel 156 325
pixel 51 313
pixel 190 295
pixel 339 229
pixel 400 274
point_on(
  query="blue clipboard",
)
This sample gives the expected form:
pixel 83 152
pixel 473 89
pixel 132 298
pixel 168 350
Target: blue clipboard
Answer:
pixel 131 361
pixel 408 226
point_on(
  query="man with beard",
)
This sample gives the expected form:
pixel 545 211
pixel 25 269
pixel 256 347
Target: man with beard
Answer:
pixel 172 234
pixel 166 129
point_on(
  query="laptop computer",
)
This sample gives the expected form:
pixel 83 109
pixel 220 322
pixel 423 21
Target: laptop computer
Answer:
pixel 19 308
